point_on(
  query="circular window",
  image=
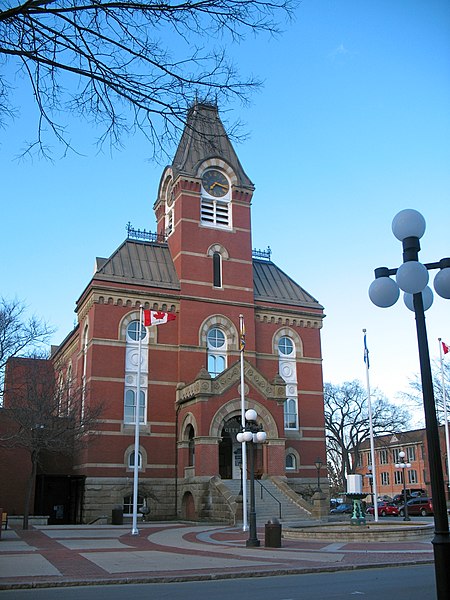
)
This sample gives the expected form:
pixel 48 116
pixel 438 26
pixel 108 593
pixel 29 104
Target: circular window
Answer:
pixel 216 338
pixel 133 331
pixel 285 346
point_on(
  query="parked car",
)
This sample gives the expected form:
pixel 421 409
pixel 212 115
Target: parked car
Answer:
pixel 418 506
pixel 410 493
pixel 384 509
pixel 342 509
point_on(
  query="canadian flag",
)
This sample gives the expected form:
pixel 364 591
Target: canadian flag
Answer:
pixel 157 317
pixel 445 348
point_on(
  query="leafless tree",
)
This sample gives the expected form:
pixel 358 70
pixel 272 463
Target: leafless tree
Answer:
pixel 415 397
pixel 45 415
pixel 127 64
pixel 347 422
pixel 19 334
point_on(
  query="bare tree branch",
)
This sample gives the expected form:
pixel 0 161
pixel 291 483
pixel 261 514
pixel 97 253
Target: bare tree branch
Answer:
pixel 106 61
pixel 19 335
pixel 347 422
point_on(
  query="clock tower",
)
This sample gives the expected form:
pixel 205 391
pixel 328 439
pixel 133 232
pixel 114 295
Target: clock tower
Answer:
pixel 203 210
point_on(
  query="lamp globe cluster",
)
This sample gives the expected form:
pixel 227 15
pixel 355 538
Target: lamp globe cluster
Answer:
pixel 412 276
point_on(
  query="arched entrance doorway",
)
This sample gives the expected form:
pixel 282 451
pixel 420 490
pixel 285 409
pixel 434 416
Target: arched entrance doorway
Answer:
pixel 230 451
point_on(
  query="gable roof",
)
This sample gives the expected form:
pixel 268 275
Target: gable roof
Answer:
pixel 204 137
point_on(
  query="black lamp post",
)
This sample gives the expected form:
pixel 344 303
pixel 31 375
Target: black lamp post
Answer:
pixel 318 464
pixel 252 434
pixel 409 226
pixel 403 466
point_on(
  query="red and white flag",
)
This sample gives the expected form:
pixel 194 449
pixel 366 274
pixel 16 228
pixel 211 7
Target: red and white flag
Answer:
pixel 157 317
pixel 445 348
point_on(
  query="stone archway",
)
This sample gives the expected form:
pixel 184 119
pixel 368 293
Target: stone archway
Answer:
pixel 225 424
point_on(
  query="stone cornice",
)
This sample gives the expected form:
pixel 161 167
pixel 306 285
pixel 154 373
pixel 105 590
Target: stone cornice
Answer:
pixel 298 318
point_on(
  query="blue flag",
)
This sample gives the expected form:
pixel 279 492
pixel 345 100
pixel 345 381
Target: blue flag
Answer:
pixel 366 352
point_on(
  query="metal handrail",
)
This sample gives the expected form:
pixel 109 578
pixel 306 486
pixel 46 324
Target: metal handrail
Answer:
pixel 263 487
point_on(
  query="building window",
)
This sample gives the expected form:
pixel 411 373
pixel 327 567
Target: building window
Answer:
pixel 130 407
pixel 131 460
pixel 291 462
pixel 288 370
pixel 412 476
pixel 217 346
pixel 286 346
pixel 411 453
pixel 128 504
pixel 384 478
pixel 190 436
pixel 290 413
pixel 217 270
pixel 383 457
pixel 398 477
pixel 133 331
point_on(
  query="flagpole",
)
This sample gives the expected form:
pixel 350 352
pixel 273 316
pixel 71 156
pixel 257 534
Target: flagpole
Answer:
pixel 244 445
pixel 134 530
pixel 372 445
pixel 444 399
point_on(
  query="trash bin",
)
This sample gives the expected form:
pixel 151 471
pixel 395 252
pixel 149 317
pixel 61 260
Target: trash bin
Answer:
pixel 272 534
pixel 117 515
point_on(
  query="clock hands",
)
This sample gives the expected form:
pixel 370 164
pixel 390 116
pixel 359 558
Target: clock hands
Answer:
pixel 225 187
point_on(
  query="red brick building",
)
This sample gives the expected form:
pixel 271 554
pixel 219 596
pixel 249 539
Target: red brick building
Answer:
pixel 389 478
pixel 200 266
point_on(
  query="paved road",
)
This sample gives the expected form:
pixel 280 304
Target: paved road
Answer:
pixel 401 583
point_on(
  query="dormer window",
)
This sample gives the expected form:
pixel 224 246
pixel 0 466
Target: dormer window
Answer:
pixel 216 199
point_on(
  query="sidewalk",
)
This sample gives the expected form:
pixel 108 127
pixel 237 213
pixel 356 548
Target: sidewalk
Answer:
pixel 50 556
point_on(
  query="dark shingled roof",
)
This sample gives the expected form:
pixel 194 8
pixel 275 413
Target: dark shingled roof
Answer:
pixel 205 137
pixel 139 262
pixel 150 264
pixel 271 284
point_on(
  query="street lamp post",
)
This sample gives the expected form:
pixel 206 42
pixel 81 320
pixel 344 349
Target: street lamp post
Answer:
pixel 403 466
pixel 412 277
pixel 318 464
pixel 252 434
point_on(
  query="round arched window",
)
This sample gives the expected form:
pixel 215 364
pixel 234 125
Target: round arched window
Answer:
pixel 285 346
pixel 133 331
pixel 216 338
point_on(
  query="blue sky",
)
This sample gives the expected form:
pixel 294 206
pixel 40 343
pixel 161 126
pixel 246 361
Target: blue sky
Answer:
pixel 352 125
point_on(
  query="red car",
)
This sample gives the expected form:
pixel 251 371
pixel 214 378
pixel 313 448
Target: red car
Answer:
pixel 385 509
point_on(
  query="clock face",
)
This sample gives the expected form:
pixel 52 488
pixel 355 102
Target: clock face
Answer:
pixel 215 183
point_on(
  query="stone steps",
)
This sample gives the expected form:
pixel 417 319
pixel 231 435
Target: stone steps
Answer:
pixel 268 498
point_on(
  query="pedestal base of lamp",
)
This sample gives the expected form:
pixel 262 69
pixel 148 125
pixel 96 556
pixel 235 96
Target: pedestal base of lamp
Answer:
pixel 358 516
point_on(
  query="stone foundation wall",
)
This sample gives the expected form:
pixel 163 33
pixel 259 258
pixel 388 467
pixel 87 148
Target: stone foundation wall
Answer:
pixel 102 494
pixel 212 499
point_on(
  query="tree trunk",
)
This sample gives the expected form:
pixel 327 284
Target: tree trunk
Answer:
pixel 29 489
